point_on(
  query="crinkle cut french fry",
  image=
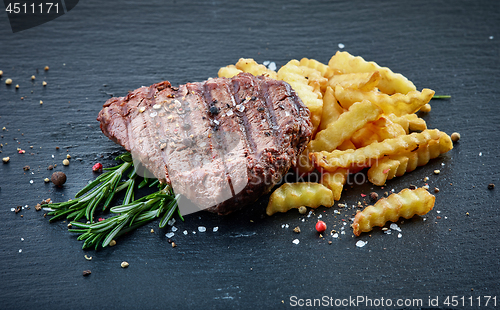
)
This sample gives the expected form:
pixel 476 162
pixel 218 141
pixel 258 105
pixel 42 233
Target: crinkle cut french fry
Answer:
pixel 397 165
pixel 377 131
pixel 390 82
pixel 337 132
pixel 346 145
pixel 409 122
pixel 315 79
pixel 348 123
pixel 325 70
pixel 406 204
pixel 251 66
pixel 368 155
pixel 293 75
pixel 335 181
pixel 294 195
pixel 398 104
pixel 229 71
pixel 331 109
pixel 364 81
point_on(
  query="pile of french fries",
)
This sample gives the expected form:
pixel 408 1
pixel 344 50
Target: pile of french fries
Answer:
pixel 363 116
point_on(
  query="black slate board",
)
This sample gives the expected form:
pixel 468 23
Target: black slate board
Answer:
pixel 104 48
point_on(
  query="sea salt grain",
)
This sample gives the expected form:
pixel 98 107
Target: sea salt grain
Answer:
pixel 174 228
pixel 265 63
pixel 272 66
pixel 361 243
pixel 296 241
pixel 169 235
pixel 20 250
pixel 215 229
pixel 491 38
pixel 202 229
pixel 341 45
pixel 185 232
pixel 335 235
pixel 400 235
pixel 171 222
pixel 395 226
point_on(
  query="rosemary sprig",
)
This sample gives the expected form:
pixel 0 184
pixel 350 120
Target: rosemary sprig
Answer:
pixel 103 188
pixel 130 215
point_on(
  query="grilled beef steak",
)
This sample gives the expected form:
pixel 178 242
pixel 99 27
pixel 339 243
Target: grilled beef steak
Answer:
pixel 221 143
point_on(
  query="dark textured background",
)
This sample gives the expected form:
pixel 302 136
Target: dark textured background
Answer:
pixel 104 48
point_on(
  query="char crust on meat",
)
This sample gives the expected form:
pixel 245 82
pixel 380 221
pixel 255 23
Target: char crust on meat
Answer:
pixel 221 143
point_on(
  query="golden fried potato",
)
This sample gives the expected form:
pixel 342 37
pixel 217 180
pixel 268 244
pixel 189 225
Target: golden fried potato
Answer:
pixel 377 131
pixel 337 132
pixel 397 165
pixel 364 81
pixel 409 122
pixel 406 204
pixel 331 109
pixel 293 75
pixel 325 70
pixel 335 181
pixel 390 82
pixel 294 195
pixel 369 155
pixel 348 123
pixel 346 145
pixel 229 71
pixel 397 104
pixel 251 66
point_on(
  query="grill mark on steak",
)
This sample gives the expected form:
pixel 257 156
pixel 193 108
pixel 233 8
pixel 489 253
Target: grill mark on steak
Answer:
pixel 244 125
pixel 270 112
pixel 212 98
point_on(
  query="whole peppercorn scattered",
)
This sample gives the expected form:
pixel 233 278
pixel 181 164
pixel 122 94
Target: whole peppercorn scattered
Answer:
pixel 373 196
pixel 8 81
pixel 455 136
pixel 124 264
pixel 214 110
pixel 491 186
pixel 46 68
pixel 97 167
pixel 66 162
pixel 320 226
pixel 6 160
pixel 302 210
pixel 58 178
pixel 26 168
pixel 86 273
